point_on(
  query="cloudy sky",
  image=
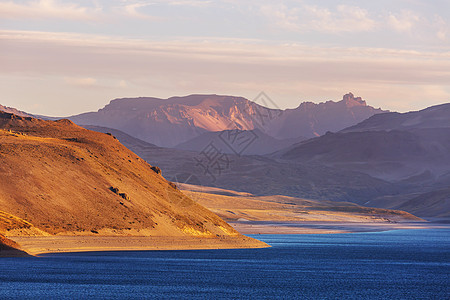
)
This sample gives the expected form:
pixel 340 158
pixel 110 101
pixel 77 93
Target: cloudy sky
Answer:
pixel 66 57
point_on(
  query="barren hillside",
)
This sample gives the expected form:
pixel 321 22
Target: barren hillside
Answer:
pixel 62 179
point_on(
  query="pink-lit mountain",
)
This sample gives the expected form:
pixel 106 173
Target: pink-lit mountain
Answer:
pixel 169 122
pixel 311 120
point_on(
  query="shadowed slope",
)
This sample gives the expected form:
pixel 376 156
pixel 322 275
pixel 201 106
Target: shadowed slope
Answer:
pixel 432 117
pixel 255 142
pixel 311 119
pixel 259 175
pixel 409 150
pixel 9 248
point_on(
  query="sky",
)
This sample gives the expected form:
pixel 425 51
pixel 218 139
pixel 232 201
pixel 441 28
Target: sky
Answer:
pixel 60 58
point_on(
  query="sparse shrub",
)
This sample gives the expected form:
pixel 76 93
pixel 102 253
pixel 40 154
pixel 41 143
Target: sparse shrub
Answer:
pixel 173 185
pixel 110 134
pixel 114 190
pixel 156 169
pixel 124 196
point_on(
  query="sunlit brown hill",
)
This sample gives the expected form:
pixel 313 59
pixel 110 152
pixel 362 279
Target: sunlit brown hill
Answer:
pixel 59 178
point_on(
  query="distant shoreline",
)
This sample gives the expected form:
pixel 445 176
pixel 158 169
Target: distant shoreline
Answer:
pixel 320 227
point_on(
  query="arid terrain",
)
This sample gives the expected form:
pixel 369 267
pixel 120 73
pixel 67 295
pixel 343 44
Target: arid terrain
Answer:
pixel 283 214
pixel 411 151
pixel 391 160
pixel 68 188
pixel 235 206
pixel 61 179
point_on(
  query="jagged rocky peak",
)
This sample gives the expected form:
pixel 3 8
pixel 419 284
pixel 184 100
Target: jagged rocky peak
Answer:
pixel 350 100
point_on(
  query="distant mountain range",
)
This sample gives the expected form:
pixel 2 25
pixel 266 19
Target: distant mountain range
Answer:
pixel 174 121
pixel 259 175
pixel 168 122
pixel 240 142
pixel 390 146
pixel 311 120
pixel 410 149
pixel 437 116
pixel 389 160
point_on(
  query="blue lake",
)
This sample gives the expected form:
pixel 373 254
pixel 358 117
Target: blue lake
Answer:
pixel 399 264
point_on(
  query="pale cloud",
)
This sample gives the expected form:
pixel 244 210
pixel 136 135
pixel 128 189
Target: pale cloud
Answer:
pixel 193 3
pixel 46 9
pixel 57 9
pixel 123 84
pixel 229 66
pixel 344 19
pixel 403 22
pixel 349 19
pixel 81 81
pixel 282 16
pixel 294 18
pixel 304 18
pixel 132 10
pixel 436 91
pixel 442 28
pixel 104 53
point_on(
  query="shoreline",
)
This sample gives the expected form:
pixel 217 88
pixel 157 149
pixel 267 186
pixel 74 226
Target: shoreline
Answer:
pixel 67 244
pixel 40 245
pixel 320 227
